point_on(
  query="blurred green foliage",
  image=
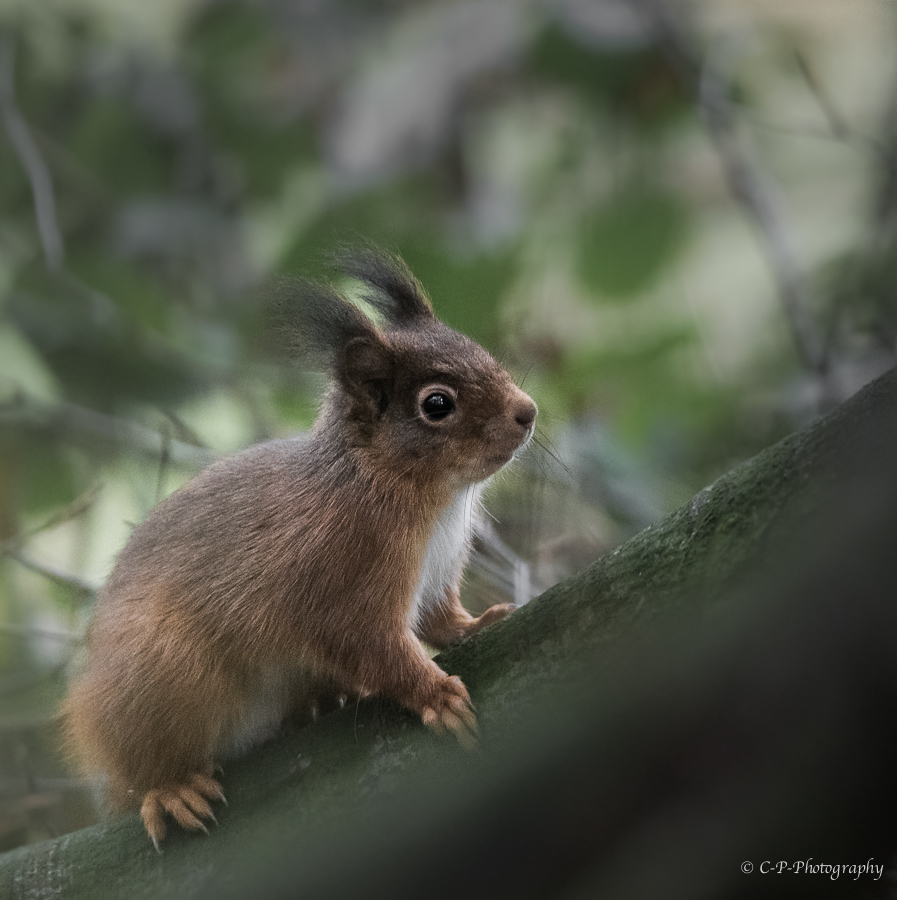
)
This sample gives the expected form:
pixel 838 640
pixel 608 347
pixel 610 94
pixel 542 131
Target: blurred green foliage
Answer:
pixel 627 244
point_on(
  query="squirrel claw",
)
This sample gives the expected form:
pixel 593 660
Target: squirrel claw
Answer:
pixel 187 804
pixel 451 710
pixel 463 729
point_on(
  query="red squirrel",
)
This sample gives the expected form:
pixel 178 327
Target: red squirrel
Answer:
pixel 303 569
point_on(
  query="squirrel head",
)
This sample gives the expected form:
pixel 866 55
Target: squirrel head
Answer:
pixel 414 396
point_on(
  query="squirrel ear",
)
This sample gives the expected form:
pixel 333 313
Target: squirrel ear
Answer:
pixel 314 320
pixel 365 370
pixel 396 293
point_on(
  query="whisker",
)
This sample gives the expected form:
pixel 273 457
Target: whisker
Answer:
pixel 538 441
pixel 484 510
pixel 546 441
pixel 546 474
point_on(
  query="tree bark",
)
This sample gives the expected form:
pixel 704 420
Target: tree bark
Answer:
pixel 316 796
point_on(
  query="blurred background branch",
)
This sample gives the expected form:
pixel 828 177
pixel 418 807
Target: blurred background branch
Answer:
pixel 29 156
pixel 711 73
pixel 763 204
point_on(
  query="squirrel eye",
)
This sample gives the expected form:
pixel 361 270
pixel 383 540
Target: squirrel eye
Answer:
pixel 437 405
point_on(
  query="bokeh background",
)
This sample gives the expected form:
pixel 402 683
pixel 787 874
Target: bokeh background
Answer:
pixel 675 223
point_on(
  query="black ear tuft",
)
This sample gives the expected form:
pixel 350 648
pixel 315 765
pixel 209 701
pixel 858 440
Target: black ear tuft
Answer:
pixel 315 320
pixel 397 294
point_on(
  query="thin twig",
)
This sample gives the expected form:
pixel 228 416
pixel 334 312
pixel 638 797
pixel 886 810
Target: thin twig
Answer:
pixel 834 118
pixel 28 631
pixel 83 502
pixel 854 139
pixel 74 510
pixel 71 417
pixel 64 578
pixel 29 156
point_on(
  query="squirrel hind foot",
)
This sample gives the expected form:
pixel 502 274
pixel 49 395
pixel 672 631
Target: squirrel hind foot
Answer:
pixel 187 804
pixel 451 710
pixel 493 614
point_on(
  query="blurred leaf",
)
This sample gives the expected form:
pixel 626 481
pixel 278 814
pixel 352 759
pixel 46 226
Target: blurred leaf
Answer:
pixel 466 291
pixel 98 356
pixel 388 214
pixel 49 479
pixel 225 38
pixel 132 289
pixel 634 386
pixel 235 54
pixel 625 245
pixel 266 152
pixel 110 140
pixel 555 56
pixel 21 366
pixel 297 403
pixel 45 475
pixel 636 83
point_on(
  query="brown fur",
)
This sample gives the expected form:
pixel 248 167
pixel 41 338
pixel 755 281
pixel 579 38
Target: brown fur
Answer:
pixel 285 575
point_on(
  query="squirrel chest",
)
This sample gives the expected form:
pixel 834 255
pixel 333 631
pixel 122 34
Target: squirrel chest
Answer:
pixel 446 553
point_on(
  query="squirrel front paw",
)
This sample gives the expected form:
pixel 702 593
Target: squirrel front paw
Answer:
pixel 187 803
pixel 493 614
pixel 449 708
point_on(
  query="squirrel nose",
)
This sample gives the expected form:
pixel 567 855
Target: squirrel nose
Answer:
pixel 526 413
